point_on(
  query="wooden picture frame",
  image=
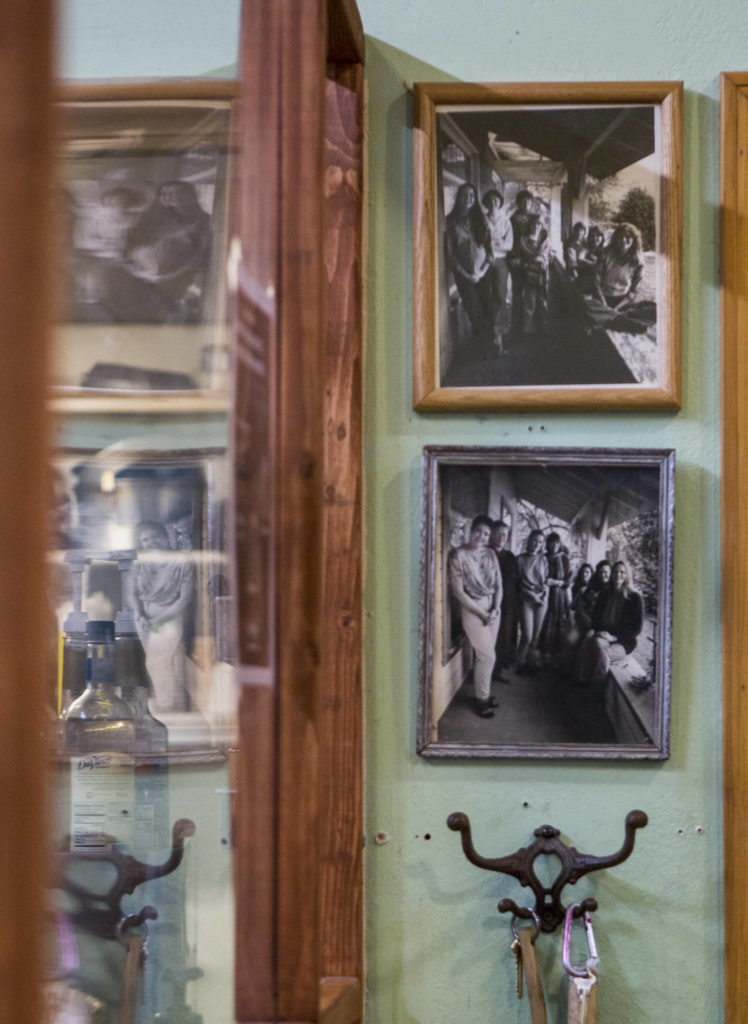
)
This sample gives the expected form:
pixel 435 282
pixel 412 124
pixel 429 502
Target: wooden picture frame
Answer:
pixel 573 667
pixel 144 194
pixel 734 245
pixel 523 313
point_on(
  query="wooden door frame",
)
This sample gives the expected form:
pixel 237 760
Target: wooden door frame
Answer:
pixel 27 660
pixel 734 293
pixel 299 815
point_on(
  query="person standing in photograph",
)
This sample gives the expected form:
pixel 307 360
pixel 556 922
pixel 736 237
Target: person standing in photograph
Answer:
pixel 558 616
pixel 534 304
pixel 617 620
pixel 573 248
pixel 467 249
pixel 161 588
pixel 475 580
pixel 495 284
pixel 532 567
pixel 517 259
pixel 506 641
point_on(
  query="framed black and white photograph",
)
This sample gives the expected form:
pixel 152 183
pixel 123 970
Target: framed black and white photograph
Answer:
pixel 547 246
pixel 546 602
pixel 144 176
pixel 139 538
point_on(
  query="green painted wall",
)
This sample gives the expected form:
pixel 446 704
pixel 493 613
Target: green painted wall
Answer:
pixel 438 951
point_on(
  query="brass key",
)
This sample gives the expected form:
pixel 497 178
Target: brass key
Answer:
pixel 517 952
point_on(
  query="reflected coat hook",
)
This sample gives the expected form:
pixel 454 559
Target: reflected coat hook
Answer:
pixel 520 865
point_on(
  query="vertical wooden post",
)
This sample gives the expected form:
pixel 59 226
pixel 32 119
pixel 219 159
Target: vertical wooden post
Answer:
pixel 281 217
pixel 26 250
pixel 734 285
pixel 299 820
pixel 341 692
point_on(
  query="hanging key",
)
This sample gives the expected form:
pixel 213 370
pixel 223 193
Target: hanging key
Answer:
pixel 516 951
pixel 528 972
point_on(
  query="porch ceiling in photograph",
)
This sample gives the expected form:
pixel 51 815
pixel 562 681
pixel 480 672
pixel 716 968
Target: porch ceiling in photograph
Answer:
pixel 604 139
pixel 564 491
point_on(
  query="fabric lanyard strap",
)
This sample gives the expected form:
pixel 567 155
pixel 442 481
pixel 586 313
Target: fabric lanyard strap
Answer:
pixel 582 1002
pixel 533 981
pixel 134 963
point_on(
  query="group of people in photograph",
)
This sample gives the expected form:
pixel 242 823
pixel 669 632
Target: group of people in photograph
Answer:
pixel 608 273
pixel 523 611
pixel 499 258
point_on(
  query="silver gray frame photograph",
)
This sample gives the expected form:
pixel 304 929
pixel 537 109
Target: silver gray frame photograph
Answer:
pixel 546 602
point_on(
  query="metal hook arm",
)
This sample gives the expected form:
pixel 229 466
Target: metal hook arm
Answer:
pixel 586 863
pixel 511 865
pixel 520 865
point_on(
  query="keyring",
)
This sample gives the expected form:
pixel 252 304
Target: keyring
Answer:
pixel 536 921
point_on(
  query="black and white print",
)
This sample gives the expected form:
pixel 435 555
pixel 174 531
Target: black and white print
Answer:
pixel 546 602
pixel 143 211
pixel 548 238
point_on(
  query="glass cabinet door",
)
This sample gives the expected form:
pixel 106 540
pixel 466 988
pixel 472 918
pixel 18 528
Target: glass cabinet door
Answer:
pixel 201 630
pixel 141 909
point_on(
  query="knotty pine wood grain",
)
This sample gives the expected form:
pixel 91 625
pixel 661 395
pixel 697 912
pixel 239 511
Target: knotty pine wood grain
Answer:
pixel 340 725
pixel 299 813
pixel 298 489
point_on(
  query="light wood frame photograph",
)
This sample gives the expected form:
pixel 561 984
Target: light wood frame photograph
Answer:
pixel 546 602
pixel 144 175
pixel 547 222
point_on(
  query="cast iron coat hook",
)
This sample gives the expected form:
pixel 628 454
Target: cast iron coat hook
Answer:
pixel 520 865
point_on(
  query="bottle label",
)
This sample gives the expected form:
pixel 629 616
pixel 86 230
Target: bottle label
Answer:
pixel 102 801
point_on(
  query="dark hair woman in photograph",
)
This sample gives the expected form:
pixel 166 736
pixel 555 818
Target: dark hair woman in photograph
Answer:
pixel 617 620
pixel 475 580
pixel 583 597
pixel 533 600
pixel 573 248
pixel 620 267
pixel 587 260
pixel 467 252
pixel 601 578
pixel 558 615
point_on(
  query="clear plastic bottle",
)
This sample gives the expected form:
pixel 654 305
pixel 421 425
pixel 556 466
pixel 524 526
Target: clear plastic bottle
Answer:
pixel 99 739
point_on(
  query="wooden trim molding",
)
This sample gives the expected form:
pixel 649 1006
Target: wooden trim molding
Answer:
pixel 27 665
pixel 299 802
pixel 734 289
